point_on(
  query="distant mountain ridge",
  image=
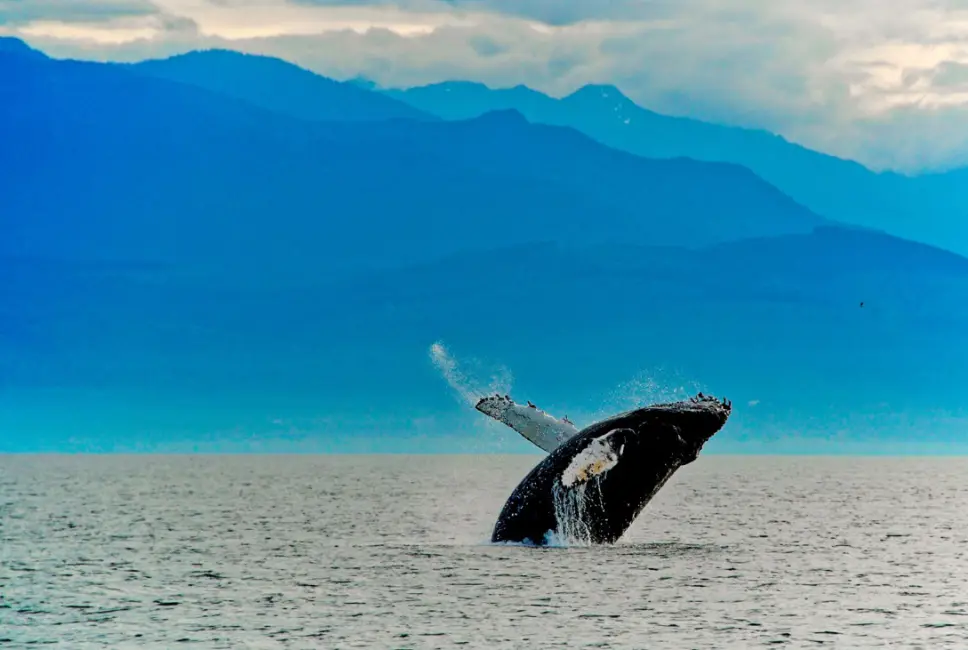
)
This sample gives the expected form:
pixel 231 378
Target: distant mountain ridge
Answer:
pixel 931 208
pixel 11 45
pixel 141 161
pixel 505 140
pixel 278 85
pixel 774 320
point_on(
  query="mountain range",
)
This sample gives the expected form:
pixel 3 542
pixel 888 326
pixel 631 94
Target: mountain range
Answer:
pixel 226 248
pixel 279 86
pixel 158 170
pixel 932 208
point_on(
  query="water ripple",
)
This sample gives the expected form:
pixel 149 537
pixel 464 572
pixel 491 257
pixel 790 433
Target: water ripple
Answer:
pixel 392 552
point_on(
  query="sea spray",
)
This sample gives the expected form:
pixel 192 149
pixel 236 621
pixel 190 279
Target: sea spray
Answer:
pixel 469 389
pixel 572 510
pixel 578 490
pixel 646 387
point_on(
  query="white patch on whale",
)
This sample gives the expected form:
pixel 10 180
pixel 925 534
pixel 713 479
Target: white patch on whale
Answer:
pixel 598 457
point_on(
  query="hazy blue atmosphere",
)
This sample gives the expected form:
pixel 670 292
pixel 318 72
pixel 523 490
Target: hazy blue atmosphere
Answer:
pixel 224 252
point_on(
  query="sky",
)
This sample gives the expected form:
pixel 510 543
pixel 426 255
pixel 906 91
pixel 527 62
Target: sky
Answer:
pixel 887 87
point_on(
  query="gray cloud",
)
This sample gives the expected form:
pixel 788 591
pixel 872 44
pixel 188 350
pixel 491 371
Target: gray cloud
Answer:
pixel 550 12
pixel 20 12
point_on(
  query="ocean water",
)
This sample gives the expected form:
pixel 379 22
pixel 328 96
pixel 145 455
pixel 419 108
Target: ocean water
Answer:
pixel 391 552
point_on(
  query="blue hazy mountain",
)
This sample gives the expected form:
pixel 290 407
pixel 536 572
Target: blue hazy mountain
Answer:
pixel 932 208
pixel 284 87
pixel 659 199
pixel 10 45
pixel 774 323
pixel 123 166
pixel 279 86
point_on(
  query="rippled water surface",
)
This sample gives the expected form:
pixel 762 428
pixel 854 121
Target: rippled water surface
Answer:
pixel 390 552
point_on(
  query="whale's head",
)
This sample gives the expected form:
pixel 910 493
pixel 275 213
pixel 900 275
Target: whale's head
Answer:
pixel 695 420
pixel 676 430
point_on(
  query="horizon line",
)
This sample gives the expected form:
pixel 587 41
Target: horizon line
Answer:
pixel 3 454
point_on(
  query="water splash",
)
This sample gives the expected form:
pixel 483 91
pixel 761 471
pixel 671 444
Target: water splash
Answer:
pixel 646 387
pixel 577 493
pixel 649 387
pixel 573 507
pixel 468 388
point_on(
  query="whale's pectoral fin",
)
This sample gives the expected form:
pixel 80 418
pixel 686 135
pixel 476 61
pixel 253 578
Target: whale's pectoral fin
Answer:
pixel 543 429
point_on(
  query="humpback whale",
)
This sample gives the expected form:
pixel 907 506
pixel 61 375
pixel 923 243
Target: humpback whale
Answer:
pixel 596 481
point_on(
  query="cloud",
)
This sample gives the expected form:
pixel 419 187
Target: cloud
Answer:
pixel 889 88
pixel 947 74
pixel 21 12
pixel 549 12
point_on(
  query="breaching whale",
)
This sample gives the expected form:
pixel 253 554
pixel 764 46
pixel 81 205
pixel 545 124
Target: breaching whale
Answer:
pixel 593 485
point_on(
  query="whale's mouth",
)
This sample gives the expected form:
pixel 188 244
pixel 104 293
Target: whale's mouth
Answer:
pixel 601 454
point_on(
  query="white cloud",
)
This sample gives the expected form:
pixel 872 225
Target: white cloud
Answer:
pixel 888 87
